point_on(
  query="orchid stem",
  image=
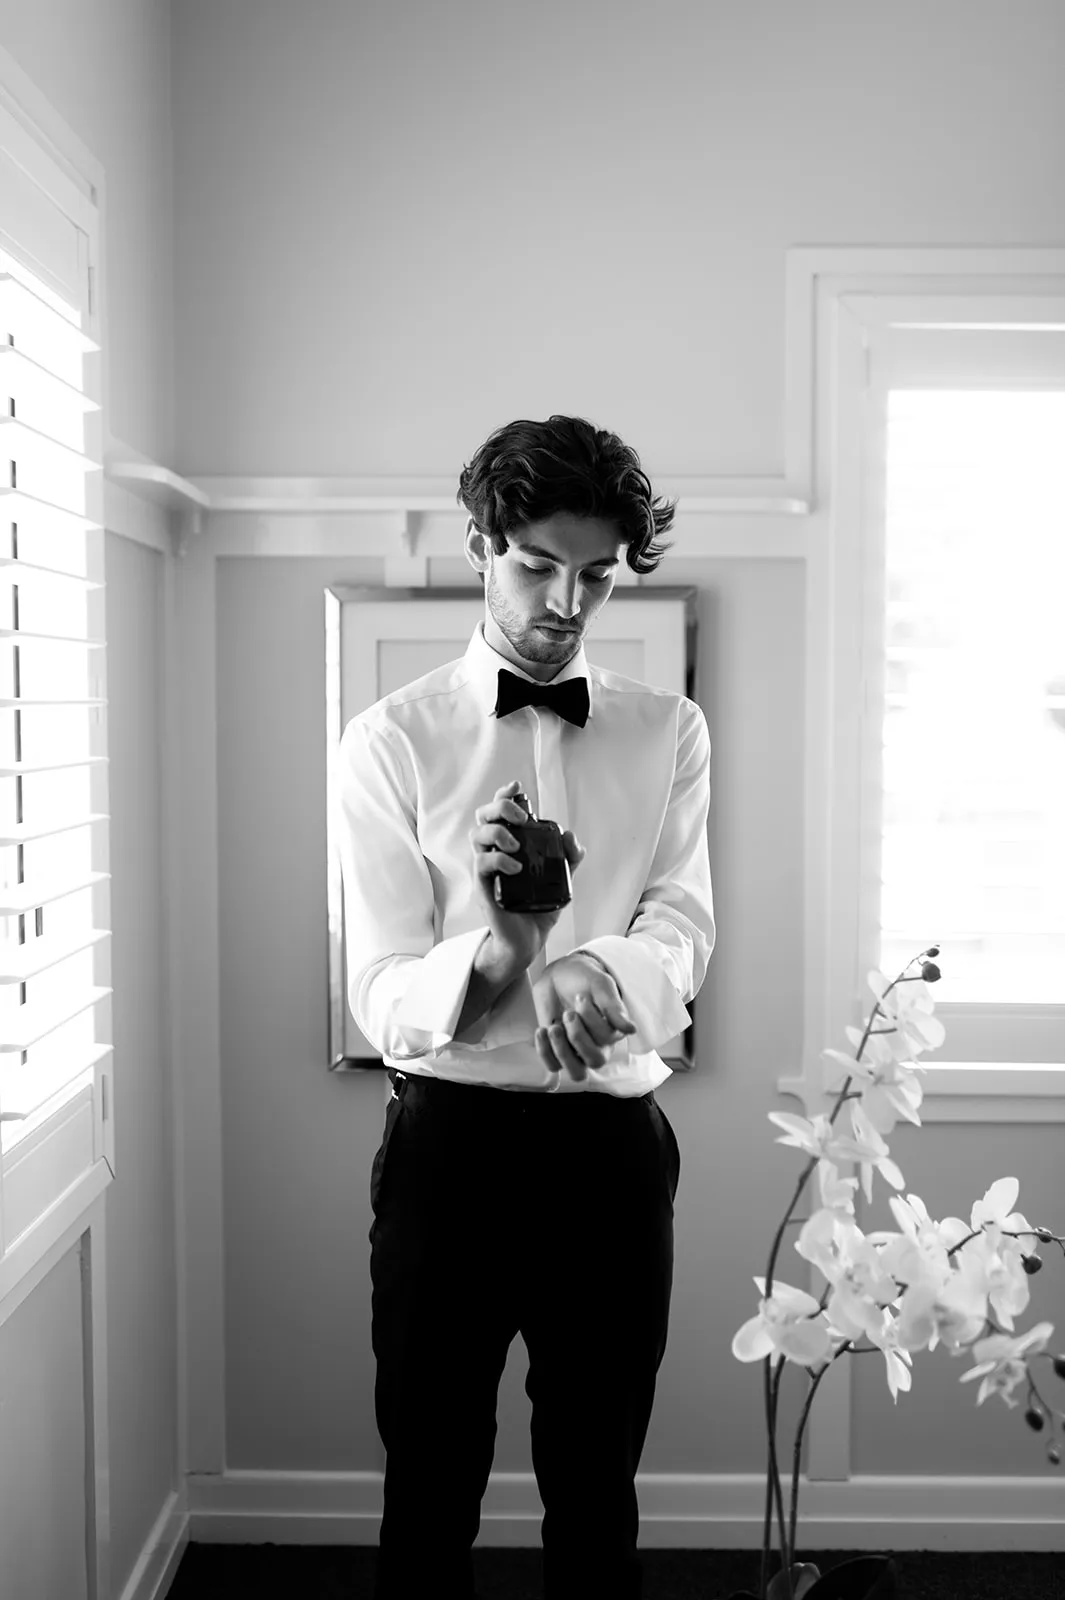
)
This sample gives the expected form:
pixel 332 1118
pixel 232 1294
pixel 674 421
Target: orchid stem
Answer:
pixel 767 1521
pixel 777 1492
pixel 815 1379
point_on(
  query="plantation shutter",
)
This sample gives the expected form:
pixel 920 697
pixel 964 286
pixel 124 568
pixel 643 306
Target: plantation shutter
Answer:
pixel 54 905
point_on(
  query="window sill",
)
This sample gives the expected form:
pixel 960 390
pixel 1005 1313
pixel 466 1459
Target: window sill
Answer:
pixel 982 1091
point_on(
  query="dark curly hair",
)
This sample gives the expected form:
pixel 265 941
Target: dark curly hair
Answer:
pixel 527 471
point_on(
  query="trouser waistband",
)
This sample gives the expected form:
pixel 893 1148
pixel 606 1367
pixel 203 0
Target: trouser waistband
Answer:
pixel 450 1089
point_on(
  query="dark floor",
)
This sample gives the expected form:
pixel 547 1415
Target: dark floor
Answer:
pixel 345 1572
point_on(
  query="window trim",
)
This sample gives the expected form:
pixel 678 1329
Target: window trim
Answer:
pixel 839 934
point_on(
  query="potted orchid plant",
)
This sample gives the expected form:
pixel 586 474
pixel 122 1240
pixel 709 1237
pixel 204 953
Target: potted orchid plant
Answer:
pixel 950 1282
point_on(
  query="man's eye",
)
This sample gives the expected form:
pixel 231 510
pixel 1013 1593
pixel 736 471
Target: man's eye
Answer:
pixel 593 577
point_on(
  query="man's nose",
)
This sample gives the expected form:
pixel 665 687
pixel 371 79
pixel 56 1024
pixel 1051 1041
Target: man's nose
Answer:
pixel 563 599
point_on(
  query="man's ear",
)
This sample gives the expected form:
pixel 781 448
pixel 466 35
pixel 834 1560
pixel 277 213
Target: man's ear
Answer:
pixel 477 547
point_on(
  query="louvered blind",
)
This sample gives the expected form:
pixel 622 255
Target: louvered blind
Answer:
pixel 973 819
pixel 53 912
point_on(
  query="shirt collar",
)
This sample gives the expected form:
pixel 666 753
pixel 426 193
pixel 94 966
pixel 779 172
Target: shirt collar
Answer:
pixel 483 664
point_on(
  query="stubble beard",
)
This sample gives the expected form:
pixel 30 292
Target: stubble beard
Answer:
pixel 521 635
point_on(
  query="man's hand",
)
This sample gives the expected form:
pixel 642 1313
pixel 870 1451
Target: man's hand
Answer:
pixel 581 1015
pixel 517 937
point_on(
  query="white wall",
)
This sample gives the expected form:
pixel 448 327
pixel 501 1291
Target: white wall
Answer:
pixel 397 227
pixel 105 69
pixel 400 225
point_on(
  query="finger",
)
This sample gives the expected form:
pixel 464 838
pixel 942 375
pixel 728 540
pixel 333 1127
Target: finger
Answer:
pixel 575 851
pixel 493 836
pixel 545 1052
pixel 607 996
pixel 500 811
pixel 565 1052
pixel 488 862
pixel 594 1020
pixel 581 1041
pixel 616 1014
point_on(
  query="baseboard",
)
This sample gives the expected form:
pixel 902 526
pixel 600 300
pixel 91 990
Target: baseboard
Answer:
pixel 160 1556
pixel 677 1511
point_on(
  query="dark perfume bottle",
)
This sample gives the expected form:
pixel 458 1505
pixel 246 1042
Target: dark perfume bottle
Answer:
pixel 545 883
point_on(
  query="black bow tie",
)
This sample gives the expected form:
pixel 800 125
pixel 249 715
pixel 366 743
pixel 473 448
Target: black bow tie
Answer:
pixel 569 699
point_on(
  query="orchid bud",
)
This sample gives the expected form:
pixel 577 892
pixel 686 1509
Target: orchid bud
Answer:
pixel 930 972
pixel 1054 1456
pixel 1059 1366
pixel 1031 1264
pixel 1044 1235
pixel 934 951
pixel 1034 1419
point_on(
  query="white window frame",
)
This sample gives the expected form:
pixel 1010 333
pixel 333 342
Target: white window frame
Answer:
pixel 836 298
pixel 1018 1083
pixel 53 1178
pixel 986 343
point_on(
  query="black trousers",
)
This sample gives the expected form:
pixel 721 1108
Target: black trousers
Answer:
pixel 499 1212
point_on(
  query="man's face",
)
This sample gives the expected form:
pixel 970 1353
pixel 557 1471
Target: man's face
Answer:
pixel 542 595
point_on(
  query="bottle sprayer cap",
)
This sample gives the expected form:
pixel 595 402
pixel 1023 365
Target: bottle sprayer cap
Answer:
pixel 522 799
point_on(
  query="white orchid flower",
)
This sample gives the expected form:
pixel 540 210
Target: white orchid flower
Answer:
pixel 884 1102
pixel 869 1150
pixel 842 1066
pixel 888 1087
pixel 790 1322
pixel 908 1024
pixel 898 1371
pixel 954 1311
pixel 824 1240
pixel 879 1048
pixel 837 1194
pixel 911 1261
pixel 995 1210
pixel 913 1217
pixel 897 1361
pixel 906 1001
pixel 849 1320
pixel 1005 1281
pixel 815 1135
pixel 1000 1361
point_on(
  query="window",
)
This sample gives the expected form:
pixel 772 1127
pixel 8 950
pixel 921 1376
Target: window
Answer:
pixel 54 959
pixel 973 834
pixel 964 671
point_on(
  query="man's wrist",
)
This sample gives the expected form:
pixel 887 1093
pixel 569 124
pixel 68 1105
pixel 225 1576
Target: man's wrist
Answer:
pixel 589 956
pixel 496 964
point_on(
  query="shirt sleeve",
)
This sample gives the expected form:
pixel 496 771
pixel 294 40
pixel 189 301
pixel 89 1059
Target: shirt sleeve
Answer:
pixel 660 963
pixel 405 988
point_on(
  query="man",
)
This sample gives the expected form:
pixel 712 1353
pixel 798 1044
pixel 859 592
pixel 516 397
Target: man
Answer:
pixel 526 1177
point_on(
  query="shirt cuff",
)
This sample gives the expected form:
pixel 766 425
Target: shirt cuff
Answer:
pixel 649 997
pixel 435 995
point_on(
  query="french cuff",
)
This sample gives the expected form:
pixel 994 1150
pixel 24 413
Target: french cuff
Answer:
pixel 649 997
pixel 435 995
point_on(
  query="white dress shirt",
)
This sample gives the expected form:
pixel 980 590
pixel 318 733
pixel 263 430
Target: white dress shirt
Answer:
pixel 634 786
